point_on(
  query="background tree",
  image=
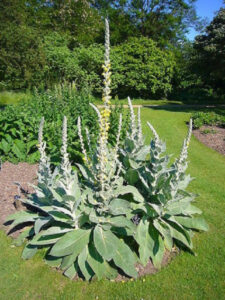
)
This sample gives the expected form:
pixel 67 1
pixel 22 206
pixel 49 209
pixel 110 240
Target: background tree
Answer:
pixel 164 21
pixel 209 61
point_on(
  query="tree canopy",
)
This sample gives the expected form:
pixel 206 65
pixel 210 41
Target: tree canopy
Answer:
pixel 210 52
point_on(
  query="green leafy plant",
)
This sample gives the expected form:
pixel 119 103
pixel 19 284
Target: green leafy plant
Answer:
pixel 208 118
pixel 20 124
pixel 167 215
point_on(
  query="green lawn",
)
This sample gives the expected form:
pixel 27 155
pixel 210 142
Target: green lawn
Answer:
pixel 141 102
pixel 187 277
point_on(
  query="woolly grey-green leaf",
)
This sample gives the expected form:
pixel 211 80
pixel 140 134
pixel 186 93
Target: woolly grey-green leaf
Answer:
pixel 105 242
pixel 125 259
pixel 83 264
pixel 145 241
pixel 71 241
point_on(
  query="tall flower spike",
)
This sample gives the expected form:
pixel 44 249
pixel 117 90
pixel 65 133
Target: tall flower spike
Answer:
pixel 105 113
pixel 41 143
pixel 65 165
pixel 97 111
pixel 88 138
pixel 118 136
pixel 140 134
pixel 44 170
pixel 184 150
pixel 132 119
pixel 82 140
pixel 154 132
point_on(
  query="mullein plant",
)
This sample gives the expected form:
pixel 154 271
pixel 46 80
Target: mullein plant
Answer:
pixel 86 226
pixel 134 150
pixel 107 210
pixel 167 215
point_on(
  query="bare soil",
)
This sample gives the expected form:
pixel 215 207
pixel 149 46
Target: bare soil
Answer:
pixel 11 176
pixel 212 136
pixel 25 174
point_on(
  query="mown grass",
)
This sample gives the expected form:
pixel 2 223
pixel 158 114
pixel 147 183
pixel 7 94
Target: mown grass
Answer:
pixel 187 277
pixel 140 101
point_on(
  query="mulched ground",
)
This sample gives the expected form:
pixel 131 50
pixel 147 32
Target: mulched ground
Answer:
pixel 212 136
pixel 24 174
pixel 10 174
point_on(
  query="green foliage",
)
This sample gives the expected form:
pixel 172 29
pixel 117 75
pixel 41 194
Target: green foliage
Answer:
pixel 209 59
pixel 19 132
pixel 165 21
pixel 208 118
pixel 20 124
pixel 141 68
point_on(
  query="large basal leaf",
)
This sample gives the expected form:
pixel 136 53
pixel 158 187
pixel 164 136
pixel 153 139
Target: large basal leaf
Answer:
pixel 100 267
pixel 145 241
pixel 194 223
pixel 21 217
pixel 21 214
pixel 123 222
pixel 164 229
pixel 158 250
pixel 49 236
pixel 69 259
pixel 180 234
pixel 21 238
pixel 59 216
pixel 178 207
pixel 76 239
pixel 105 242
pixel 53 261
pixel 125 259
pixel 42 240
pixel 29 251
pixel 39 223
pixel 83 264
pixel 71 271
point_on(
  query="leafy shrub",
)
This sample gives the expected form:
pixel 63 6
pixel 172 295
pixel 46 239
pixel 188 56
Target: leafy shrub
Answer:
pixel 208 118
pixel 142 69
pixel 139 67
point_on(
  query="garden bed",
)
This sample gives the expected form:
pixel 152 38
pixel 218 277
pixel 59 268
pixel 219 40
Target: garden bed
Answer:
pixel 25 174
pixel 212 136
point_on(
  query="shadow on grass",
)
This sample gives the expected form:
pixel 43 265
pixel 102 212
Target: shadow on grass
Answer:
pixel 219 109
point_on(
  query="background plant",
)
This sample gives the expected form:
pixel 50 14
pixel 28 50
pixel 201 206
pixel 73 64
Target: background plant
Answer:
pixel 20 124
pixel 216 117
